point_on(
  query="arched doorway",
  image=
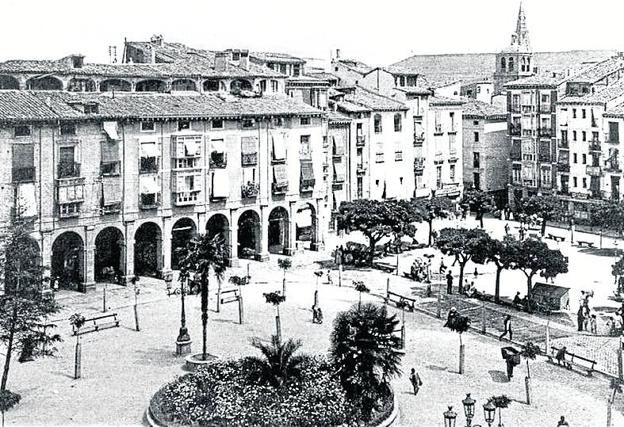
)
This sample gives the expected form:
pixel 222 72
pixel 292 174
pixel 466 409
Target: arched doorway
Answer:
pixel 68 260
pixel 249 234
pixel 240 84
pixel 278 231
pixel 115 85
pixel 151 86
pixel 81 85
pixel 44 83
pixel 218 224
pixel 148 250
pixel 8 82
pixel 184 85
pixel 306 226
pixel 182 232
pixel 109 251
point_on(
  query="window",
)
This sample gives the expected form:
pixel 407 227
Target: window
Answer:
pixel 67 167
pixel 184 125
pixel 452 117
pixel 475 123
pixel 516 173
pixel 263 85
pixel 584 135
pixel 511 64
pixel 503 64
pixel 575 182
pixel 397 122
pixel 476 160
pixel 584 159
pixel 274 85
pixel 283 69
pixel 574 113
pixel 23 167
pixel 574 158
pixel 217 124
pixel 305 152
pixel 476 180
pixel 452 173
pixel 305 121
pixel 584 182
pixel 148 127
pixel 476 137
pixel 573 135
pixel 249 123
pixel 211 85
pixel 438 176
pixel 379 153
pixel 614 132
pixel 360 187
pixel 68 129
pixel 296 70
pixel 91 108
pixel 584 113
pixel 377 123
pixel 545 99
pixel 22 131
pixel 398 152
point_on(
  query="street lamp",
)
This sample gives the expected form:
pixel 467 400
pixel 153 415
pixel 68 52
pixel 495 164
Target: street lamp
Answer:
pixel 489 412
pixel 183 342
pixel 469 406
pixel 450 417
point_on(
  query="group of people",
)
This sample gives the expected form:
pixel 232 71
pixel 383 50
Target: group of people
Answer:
pixel 587 321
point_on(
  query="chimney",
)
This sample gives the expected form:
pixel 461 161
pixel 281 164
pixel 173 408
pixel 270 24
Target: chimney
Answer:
pixel 220 61
pixel 153 55
pixel 337 53
pixel 157 39
pixel 243 62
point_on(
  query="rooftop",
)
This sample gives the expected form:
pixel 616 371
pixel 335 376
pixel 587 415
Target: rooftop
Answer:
pixel 609 93
pixel 599 71
pixel 538 80
pixel 473 108
pixel 277 57
pixel 441 100
pixel 355 65
pixel 373 100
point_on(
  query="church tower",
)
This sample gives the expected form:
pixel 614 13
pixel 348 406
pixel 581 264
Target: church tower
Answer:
pixel 516 61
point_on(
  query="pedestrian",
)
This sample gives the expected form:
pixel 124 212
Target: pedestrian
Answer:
pixel 449 282
pixel 319 315
pixel 507 325
pixel 442 266
pixel 517 300
pixel 415 380
pixel 579 318
pixel 593 326
pixel 610 326
pixel 510 366
pixel 329 278
pixel 476 273
pixel 450 318
pixel 560 356
pixel 586 320
pixel 506 228
pixel 582 299
pixel 562 422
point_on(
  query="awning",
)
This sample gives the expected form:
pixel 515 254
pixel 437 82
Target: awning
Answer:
pixel 192 147
pixel 279 149
pixel 280 175
pixel 339 145
pixel 220 183
pixel 111 190
pixel 339 172
pixel 217 145
pixel 110 151
pixel 26 199
pixel 149 149
pixel 249 145
pixel 307 171
pixel 111 130
pixel 149 184
pixel 23 156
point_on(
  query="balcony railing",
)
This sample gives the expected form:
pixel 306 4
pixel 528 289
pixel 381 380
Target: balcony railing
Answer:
pixel 307 184
pixel 361 168
pixel 186 197
pixel 68 170
pixel 360 140
pixel 24 174
pixel 527 109
pixel 249 159
pixel 419 163
pixel 111 209
pixel 279 189
pixel 545 132
pixel 250 190
pixel 594 145
pixel 594 170
pixel 419 140
pixel 437 130
pixel 515 130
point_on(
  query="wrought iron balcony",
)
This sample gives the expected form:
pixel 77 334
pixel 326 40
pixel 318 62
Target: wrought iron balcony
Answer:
pixel 360 140
pixel 250 190
pixel 24 174
pixel 68 170
pixel 594 170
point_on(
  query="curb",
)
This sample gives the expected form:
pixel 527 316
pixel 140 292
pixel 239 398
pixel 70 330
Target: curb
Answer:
pixel 394 414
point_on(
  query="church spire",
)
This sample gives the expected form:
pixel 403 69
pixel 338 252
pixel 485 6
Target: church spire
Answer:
pixel 520 39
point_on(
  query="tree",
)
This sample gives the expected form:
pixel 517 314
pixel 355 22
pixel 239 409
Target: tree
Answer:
pixel 275 299
pixel 529 351
pixel 360 287
pixel 533 256
pixel 459 324
pixel 607 216
pixel 284 264
pixel 375 219
pixel 547 208
pixel 463 244
pixel 365 353
pixel 435 207
pixel 480 202
pixel 498 252
pixel 8 400
pixel 24 306
pixel 616 386
pixel 279 362
pixel 202 255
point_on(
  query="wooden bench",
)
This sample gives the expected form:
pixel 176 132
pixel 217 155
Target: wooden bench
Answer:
pixel 383 266
pixel 98 323
pixel 583 243
pixel 228 298
pixel 586 364
pixel 555 237
pixel 400 300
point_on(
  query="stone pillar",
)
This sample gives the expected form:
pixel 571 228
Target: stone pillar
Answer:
pixel 291 243
pixel 232 233
pixel 263 249
pixel 318 238
pixel 88 260
pixel 129 252
pixel 166 246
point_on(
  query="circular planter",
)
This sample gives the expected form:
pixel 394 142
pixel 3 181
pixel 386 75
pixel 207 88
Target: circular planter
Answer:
pixel 194 361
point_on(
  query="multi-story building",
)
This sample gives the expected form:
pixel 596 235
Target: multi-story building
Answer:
pixel 485 148
pixel 123 181
pixel 532 123
pixel 479 89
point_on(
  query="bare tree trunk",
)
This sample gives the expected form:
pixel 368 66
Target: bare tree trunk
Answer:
pixel 430 230
pixel 543 227
pixel 497 286
pixel 462 265
pixel 9 351
pixel 204 310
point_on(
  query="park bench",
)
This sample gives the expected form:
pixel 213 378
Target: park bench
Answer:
pixel 97 323
pixel 575 360
pixel 384 266
pixel 555 237
pixel 583 243
pixel 225 296
pixel 399 299
pixel 534 236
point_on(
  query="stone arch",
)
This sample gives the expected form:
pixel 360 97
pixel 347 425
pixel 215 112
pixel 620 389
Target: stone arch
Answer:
pixel 249 234
pixel 503 64
pixel 109 255
pixel 510 64
pixel 278 231
pixel 306 226
pixel 183 85
pixel 81 85
pixel 151 85
pixel 148 249
pixel 9 82
pixel 117 85
pixel 211 85
pixel 44 83
pixel 240 84
pixel 183 230
pixel 218 224
pixel 68 260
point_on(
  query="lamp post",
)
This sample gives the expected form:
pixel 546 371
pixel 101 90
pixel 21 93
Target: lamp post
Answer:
pixel 489 412
pixel 450 417
pixel 469 406
pixel 183 342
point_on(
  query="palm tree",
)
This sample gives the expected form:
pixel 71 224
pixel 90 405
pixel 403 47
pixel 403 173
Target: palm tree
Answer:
pixel 529 351
pixel 276 299
pixel 365 353
pixel 279 362
pixel 8 400
pixel 360 287
pixel 460 324
pixel 284 264
pixel 203 254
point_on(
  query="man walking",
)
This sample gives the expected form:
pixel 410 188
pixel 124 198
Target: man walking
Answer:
pixel 449 282
pixel 415 380
pixel 507 329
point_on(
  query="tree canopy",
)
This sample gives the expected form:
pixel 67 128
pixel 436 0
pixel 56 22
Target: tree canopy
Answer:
pixel 432 208
pixel 547 208
pixel 499 252
pixel 480 202
pixel 463 244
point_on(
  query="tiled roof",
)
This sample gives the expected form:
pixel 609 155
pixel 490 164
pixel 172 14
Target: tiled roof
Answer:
pixel 31 105
pixel 473 108
pixel 277 57
pixel 400 70
pixel 355 65
pixel 599 71
pixel 322 75
pixel 441 100
pixel 350 107
pixel 336 117
pixel 373 100
pixel 307 81
pixel 476 65
pixel 538 80
pixel 415 90
pixel 615 112
pixel 602 97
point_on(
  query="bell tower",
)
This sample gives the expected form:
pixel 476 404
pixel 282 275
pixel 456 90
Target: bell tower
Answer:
pixel 516 61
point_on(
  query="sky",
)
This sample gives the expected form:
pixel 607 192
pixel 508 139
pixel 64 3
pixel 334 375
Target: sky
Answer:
pixel 377 32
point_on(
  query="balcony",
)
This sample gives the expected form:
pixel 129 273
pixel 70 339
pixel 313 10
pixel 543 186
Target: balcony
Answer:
pixel 419 163
pixel 515 129
pixel 437 130
pixel 361 168
pixel 24 174
pixel 515 108
pixel 528 109
pixel 419 140
pixel 111 209
pixel 149 201
pixel 545 109
pixel 250 190
pixel 594 145
pixel 612 139
pixel 612 167
pixel 360 141
pixel 218 160
pixel 110 168
pixel 563 167
pixel 594 171
pixel 564 143
pixel 279 189
pixel 250 159
pixel 307 185
pixel 68 170
pixel 545 132
pixel 188 197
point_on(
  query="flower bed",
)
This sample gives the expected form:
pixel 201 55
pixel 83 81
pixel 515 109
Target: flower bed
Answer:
pixel 222 393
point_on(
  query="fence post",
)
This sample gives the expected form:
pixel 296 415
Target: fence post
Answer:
pixel 403 336
pixel 77 359
pixel 104 298
pixel 547 336
pixel 397 265
pixel 483 317
pixel 339 275
pixel 240 308
pixel 619 354
pixel 439 313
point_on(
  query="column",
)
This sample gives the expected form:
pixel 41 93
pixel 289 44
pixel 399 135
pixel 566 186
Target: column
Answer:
pixel 166 247
pixel 291 245
pixel 88 260
pixel 232 233
pixel 263 249
pixel 318 234
pixel 45 243
pixel 129 252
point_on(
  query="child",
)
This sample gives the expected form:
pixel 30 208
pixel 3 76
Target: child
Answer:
pixel 415 380
pixel 329 278
pixel 592 324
